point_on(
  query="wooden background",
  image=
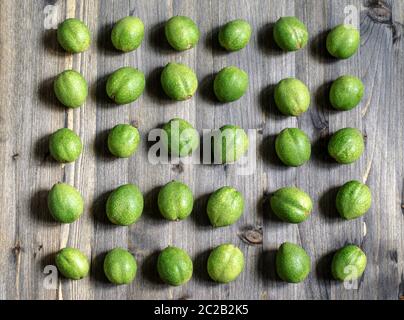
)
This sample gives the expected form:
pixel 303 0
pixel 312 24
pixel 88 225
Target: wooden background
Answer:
pixel 31 58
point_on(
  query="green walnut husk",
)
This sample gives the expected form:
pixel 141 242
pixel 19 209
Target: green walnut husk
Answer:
pixel 293 147
pixel 291 204
pixel 175 201
pixel 343 41
pixel 71 88
pixel 72 263
pixel 292 97
pixel 181 33
pixel 346 145
pixel 178 81
pixel 235 35
pixel 73 35
pixel 65 203
pixel 225 263
pixel 348 263
pixel 225 206
pixel 174 266
pixel 229 144
pixel 293 264
pixel 125 85
pixel 65 145
pixel 120 266
pixel 346 92
pixel 353 200
pixel 230 84
pixel 181 139
pixel 123 140
pixel 127 34
pixel 125 205
pixel 290 34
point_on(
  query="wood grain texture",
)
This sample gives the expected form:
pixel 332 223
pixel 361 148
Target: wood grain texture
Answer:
pixel 31 58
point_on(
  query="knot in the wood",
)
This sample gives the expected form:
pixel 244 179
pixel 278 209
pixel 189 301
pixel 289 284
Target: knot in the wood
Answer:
pixel 393 255
pixel 185 297
pixel 17 249
pixel 252 236
pixel 380 11
pixel 179 168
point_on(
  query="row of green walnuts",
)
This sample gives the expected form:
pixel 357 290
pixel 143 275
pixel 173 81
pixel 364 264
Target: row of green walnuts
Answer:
pixel 179 82
pixel 180 139
pixel 182 33
pixel 225 263
pixel 225 206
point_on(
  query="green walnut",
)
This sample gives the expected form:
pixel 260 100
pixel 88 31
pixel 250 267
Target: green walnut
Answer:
pixel 71 88
pixel 123 140
pixel 348 263
pixel 343 41
pixel 125 85
pixel 291 204
pixel 65 203
pixel 225 263
pixel 293 264
pixel 72 263
pixel 346 92
pixel 235 35
pixel 230 84
pixel 125 205
pixel 65 145
pixel 175 201
pixel 346 145
pixel 292 97
pixel 178 81
pixel 180 139
pixel 120 266
pixel 293 147
pixel 290 34
pixel 225 206
pixel 73 35
pixel 127 34
pixel 174 266
pixel 181 33
pixel 353 200
pixel 230 144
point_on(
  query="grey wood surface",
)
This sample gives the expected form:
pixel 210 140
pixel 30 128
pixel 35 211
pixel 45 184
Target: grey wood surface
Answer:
pixel 30 59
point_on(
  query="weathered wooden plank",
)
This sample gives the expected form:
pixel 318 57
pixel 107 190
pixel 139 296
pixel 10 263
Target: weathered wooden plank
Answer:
pixel 7 226
pixel 397 93
pixel 382 122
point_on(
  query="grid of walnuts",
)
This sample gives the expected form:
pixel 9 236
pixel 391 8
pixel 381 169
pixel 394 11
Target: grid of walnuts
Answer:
pixel 225 206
